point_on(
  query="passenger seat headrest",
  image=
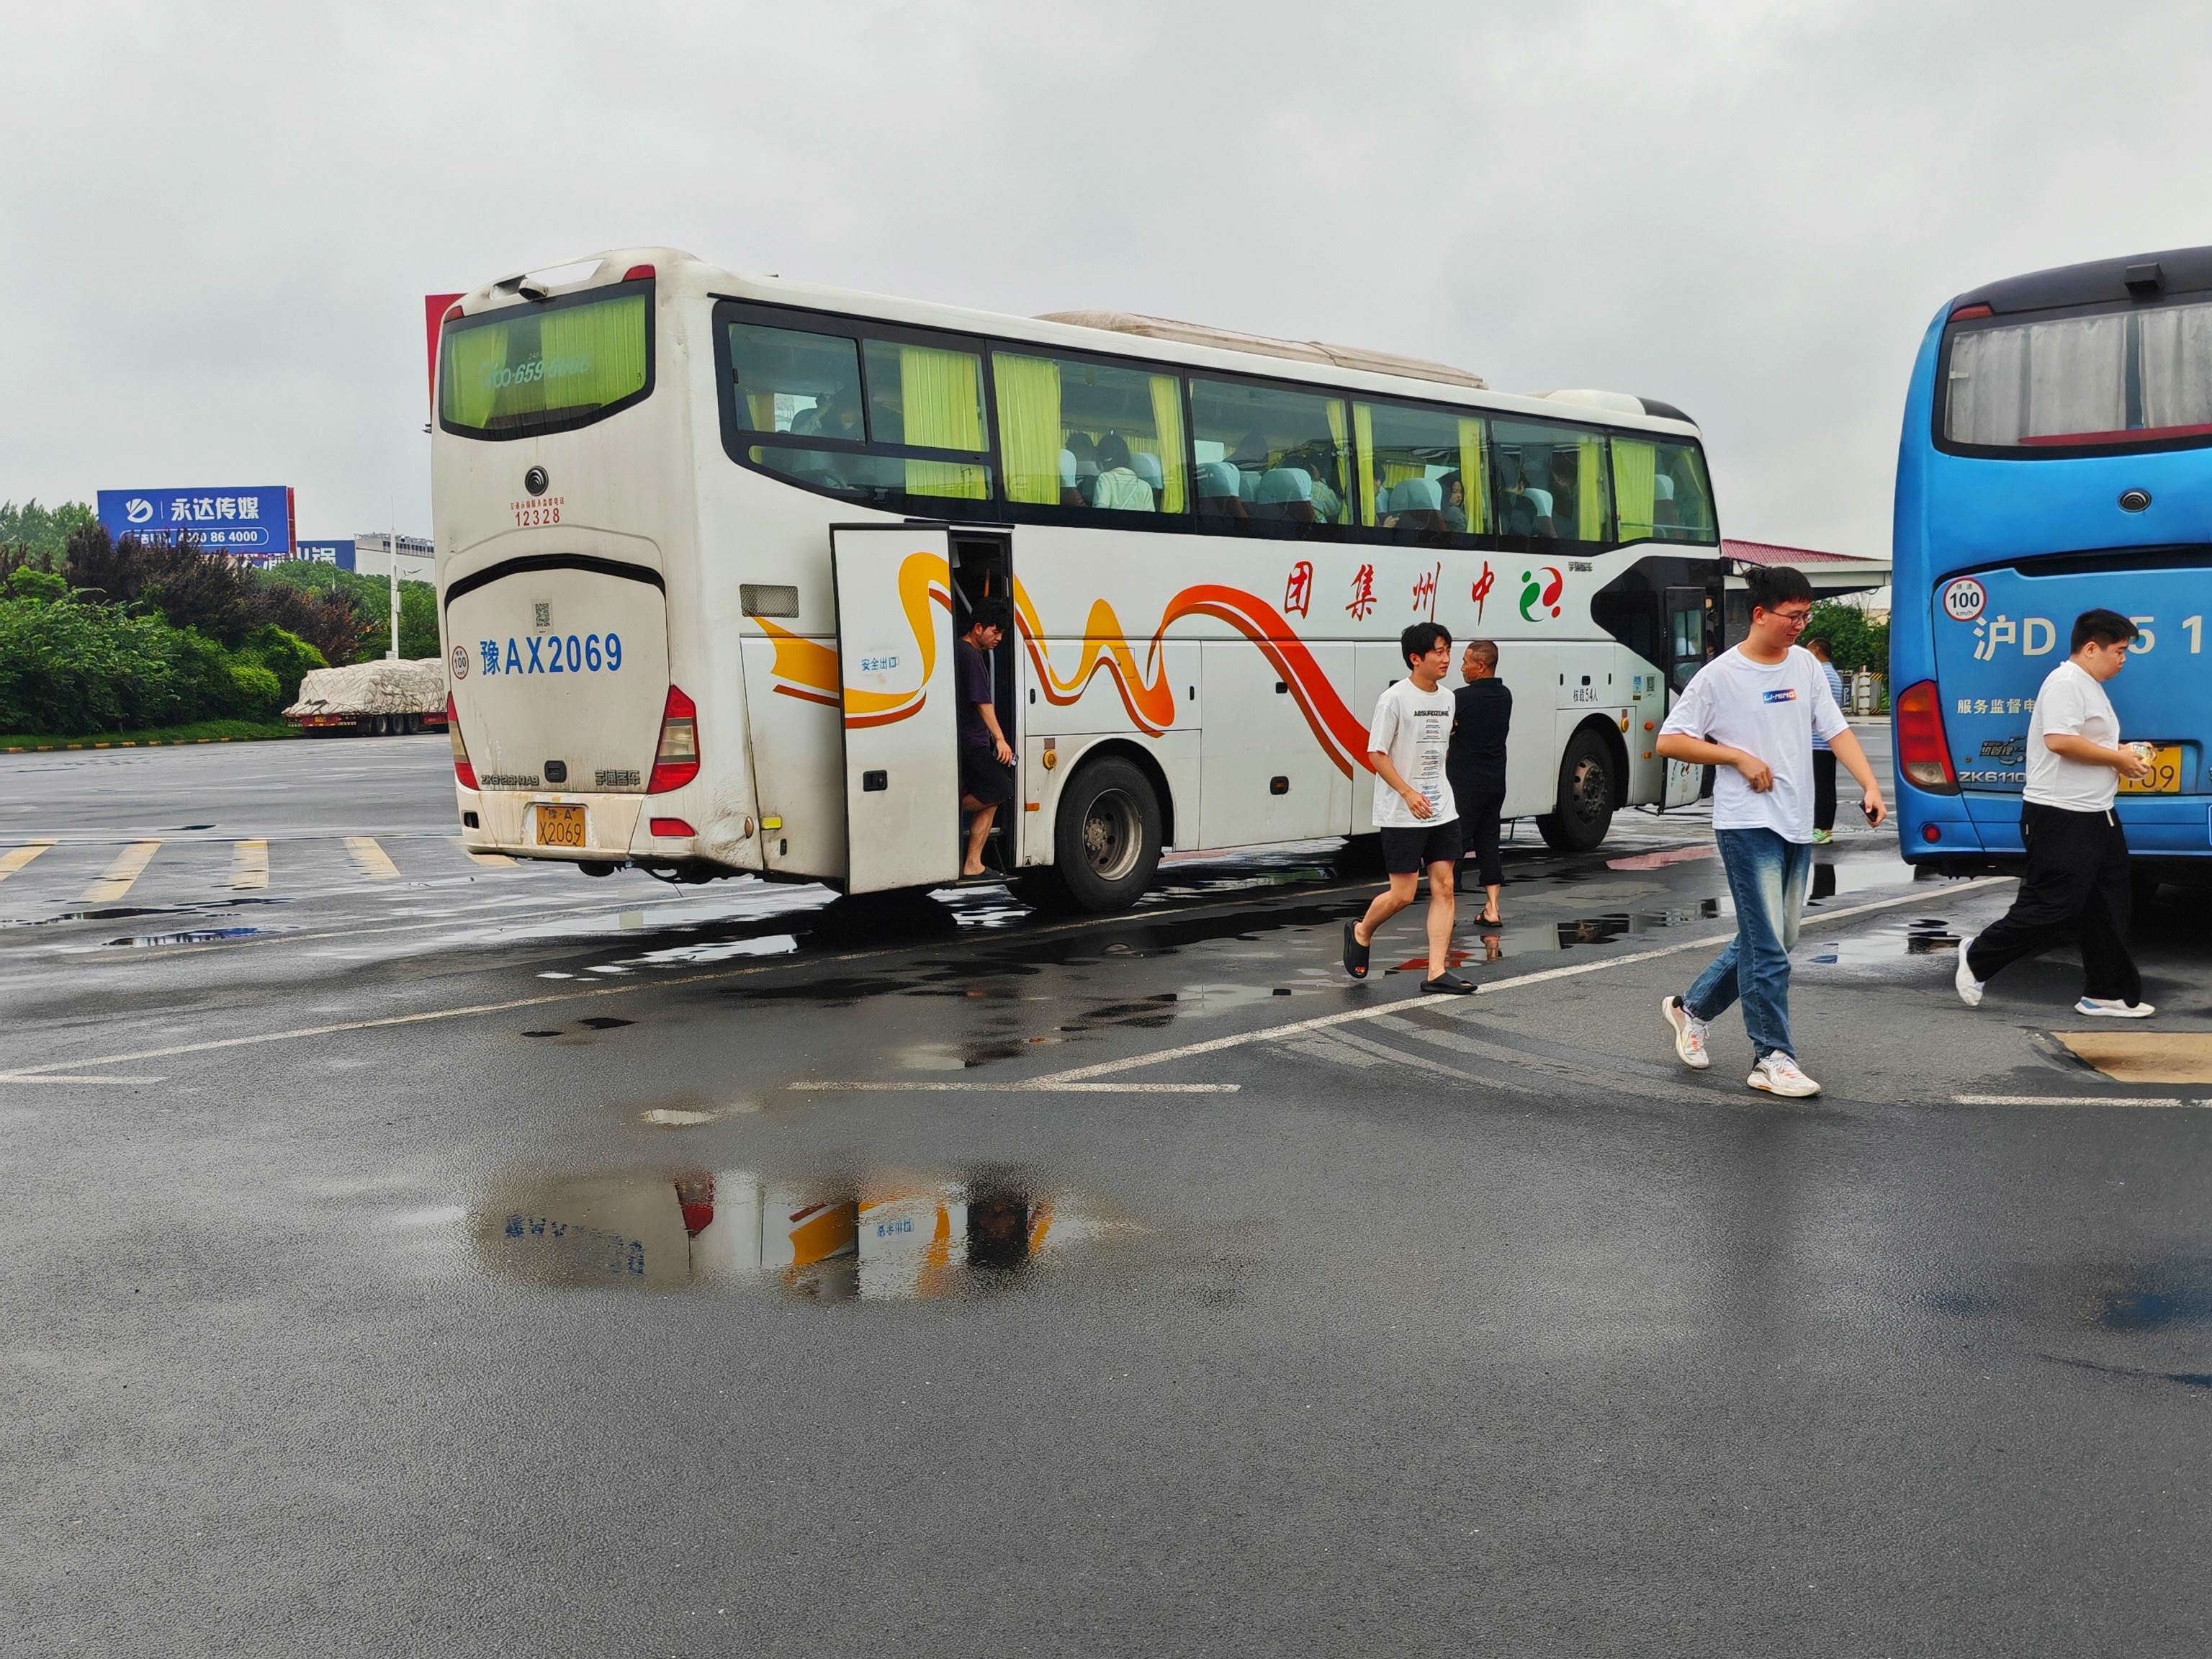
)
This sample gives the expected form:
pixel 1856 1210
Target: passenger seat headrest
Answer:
pixel 1067 468
pixel 1146 466
pixel 1217 481
pixel 1663 488
pixel 1286 483
pixel 1417 496
pixel 1541 500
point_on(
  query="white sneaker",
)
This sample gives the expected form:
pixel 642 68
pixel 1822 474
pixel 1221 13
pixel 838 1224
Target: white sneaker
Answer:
pixel 1969 989
pixel 2113 1008
pixel 1777 1074
pixel 1689 1034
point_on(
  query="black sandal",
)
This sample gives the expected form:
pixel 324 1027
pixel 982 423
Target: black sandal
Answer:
pixel 1490 922
pixel 1449 984
pixel 1355 954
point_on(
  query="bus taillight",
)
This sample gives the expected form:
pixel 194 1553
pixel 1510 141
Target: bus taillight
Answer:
pixel 676 763
pixel 1922 754
pixel 465 773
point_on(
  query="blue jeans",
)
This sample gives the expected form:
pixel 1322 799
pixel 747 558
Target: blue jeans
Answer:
pixel 1766 878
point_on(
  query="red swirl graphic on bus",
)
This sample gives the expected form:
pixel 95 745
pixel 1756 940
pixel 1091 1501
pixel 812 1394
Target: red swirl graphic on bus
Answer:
pixel 1148 695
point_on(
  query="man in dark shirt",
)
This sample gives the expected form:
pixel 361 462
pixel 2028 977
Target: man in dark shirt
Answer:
pixel 1475 762
pixel 987 759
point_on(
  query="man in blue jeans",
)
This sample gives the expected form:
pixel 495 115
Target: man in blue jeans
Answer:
pixel 1752 714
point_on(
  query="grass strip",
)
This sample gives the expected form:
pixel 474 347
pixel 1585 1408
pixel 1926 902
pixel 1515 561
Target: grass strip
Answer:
pixel 160 736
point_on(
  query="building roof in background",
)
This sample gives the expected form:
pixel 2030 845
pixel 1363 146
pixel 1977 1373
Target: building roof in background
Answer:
pixel 1773 553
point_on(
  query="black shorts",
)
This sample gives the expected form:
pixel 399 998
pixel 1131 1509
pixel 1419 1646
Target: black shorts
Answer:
pixel 982 777
pixel 1409 852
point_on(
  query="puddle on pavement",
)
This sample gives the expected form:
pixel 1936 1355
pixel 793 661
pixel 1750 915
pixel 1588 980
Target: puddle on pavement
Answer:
pixel 1924 936
pixel 1497 944
pixel 889 1236
pixel 198 936
pixel 2163 1302
pixel 132 912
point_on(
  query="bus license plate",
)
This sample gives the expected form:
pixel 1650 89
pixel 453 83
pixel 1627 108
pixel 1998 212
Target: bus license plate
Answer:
pixel 2164 777
pixel 561 826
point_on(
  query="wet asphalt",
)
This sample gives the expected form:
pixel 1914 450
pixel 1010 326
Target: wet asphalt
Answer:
pixel 397 1284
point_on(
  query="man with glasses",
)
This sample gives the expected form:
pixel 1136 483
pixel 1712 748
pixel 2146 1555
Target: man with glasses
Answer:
pixel 1752 714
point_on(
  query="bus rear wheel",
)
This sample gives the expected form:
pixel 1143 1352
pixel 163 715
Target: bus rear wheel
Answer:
pixel 1106 845
pixel 1584 812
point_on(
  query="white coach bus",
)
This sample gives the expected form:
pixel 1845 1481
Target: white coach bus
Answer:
pixel 705 541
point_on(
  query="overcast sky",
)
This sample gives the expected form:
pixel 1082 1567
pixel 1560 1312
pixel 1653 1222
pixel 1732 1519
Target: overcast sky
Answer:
pixel 218 220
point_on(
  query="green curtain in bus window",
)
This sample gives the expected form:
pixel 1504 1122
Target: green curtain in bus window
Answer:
pixel 1589 488
pixel 941 395
pixel 1472 464
pixel 1167 422
pixel 468 389
pixel 1634 466
pixel 1336 430
pixel 1363 431
pixel 1029 427
pixel 594 353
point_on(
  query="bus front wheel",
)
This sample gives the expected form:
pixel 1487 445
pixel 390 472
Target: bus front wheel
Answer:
pixel 1584 811
pixel 1106 845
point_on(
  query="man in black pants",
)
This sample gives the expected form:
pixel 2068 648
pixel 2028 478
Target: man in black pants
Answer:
pixel 1476 766
pixel 2076 886
pixel 987 759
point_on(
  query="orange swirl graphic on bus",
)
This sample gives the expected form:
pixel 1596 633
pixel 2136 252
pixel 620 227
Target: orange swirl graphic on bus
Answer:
pixel 922 578
pixel 1150 701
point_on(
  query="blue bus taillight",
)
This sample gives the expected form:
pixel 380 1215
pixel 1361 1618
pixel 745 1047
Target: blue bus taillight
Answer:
pixel 1922 755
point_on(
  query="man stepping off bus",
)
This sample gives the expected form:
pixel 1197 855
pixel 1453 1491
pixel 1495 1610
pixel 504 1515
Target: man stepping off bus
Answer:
pixel 1408 745
pixel 2076 886
pixel 1752 713
pixel 987 759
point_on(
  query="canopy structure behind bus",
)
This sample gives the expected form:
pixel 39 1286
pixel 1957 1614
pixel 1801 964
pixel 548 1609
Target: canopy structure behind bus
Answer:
pixel 387 687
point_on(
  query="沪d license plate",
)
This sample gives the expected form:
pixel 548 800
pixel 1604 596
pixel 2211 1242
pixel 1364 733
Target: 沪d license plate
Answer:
pixel 2164 777
pixel 560 826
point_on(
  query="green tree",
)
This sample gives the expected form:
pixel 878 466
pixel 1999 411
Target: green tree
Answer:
pixel 1855 641
pixel 41 529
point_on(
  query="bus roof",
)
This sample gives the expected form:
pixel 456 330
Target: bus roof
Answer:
pixel 2135 276
pixel 1191 344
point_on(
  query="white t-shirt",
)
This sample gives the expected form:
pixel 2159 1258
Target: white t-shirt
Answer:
pixel 2071 702
pixel 1773 711
pixel 1413 728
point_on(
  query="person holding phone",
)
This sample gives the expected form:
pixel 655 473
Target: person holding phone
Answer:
pixel 1752 714
pixel 2076 885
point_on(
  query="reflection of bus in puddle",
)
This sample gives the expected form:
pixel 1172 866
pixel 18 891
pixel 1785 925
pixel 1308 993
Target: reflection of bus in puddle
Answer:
pixel 883 1239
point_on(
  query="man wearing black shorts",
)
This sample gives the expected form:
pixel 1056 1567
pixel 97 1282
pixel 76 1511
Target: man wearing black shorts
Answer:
pixel 987 759
pixel 1407 745
pixel 1475 767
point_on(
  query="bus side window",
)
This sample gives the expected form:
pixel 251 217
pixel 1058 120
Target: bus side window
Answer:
pixel 927 396
pixel 1091 436
pixel 1551 481
pixel 1421 473
pixel 1291 452
pixel 795 382
pixel 1662 492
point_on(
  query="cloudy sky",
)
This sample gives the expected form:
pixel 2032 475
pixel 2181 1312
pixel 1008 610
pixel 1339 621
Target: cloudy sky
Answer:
pixel 218 220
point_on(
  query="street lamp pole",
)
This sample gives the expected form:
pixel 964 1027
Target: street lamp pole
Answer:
pixel 394 568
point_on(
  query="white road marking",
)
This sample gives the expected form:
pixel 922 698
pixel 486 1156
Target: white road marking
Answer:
pixel 1382 1011
pixel 58 1077
pixel 17 857
pixel 130 864
pixel 371 859
pixel 249 864
pixel 2076 1100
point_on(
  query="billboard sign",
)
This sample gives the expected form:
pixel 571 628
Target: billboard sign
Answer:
pixel 252 522
pixel 339 553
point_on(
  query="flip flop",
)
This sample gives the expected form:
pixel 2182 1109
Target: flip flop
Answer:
pixel 1355 954
pixel 1490 922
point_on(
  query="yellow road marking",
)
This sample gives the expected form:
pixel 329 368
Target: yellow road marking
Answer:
pixel 2145 1056
pixel 249 864
pixel 16 858
pixel 372 860
pixel 129 865
pixel 490 860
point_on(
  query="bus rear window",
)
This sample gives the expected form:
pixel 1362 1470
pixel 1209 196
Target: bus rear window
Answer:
pixel 2140 377
pixel 545 368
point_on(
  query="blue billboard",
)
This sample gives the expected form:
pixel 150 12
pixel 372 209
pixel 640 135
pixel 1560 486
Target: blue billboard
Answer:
pixel 251 522
pixel 338 552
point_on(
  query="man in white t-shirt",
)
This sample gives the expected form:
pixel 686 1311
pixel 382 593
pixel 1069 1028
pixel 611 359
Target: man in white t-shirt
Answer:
pixel 1752 714
pixel 2076 886
pixel 1407 745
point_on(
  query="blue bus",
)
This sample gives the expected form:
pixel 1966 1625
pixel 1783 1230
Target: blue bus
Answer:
pixel 2056 456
